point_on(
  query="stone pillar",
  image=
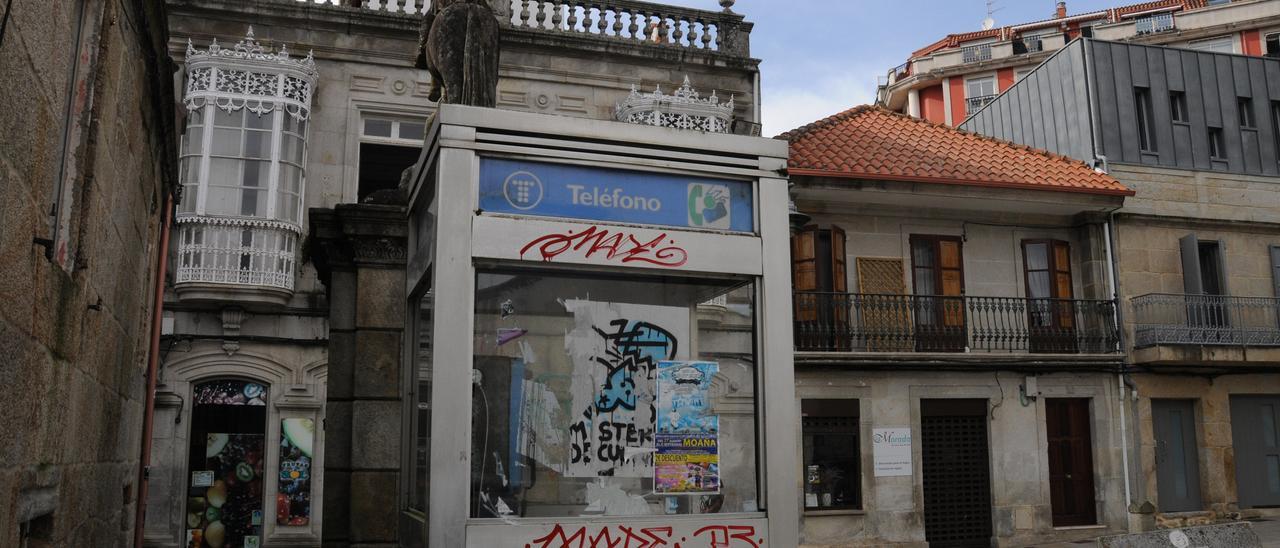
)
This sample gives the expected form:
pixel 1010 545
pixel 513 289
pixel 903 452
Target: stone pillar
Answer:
pixel 359 252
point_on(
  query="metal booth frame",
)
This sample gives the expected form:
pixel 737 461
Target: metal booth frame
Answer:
pixel 450 237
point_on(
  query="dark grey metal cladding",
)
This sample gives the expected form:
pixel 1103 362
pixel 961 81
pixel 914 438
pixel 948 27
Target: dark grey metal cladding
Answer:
pixel 1052 108
pixel 1046 109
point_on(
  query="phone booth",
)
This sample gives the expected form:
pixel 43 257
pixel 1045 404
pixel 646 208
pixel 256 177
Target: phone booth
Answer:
pixel 601 336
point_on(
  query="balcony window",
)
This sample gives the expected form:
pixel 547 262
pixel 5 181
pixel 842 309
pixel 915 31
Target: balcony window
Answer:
pixel 818 269
pixel 1203 314
pixel 243 157
pixel 979 92
pixel 937 276
pixel 1051 317
pixel 1272 45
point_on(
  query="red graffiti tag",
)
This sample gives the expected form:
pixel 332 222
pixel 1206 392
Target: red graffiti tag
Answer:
pixel 609 245
pixel 720 536
pixel 724 536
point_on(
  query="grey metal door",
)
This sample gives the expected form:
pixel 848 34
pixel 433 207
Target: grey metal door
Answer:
pixel 1177 463
pixel 1254 433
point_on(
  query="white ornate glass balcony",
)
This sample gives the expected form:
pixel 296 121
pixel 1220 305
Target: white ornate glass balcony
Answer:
pixel 243 172
pixel 684 109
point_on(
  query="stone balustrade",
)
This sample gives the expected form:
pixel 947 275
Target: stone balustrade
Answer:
pixel 632 21
pixel 635 21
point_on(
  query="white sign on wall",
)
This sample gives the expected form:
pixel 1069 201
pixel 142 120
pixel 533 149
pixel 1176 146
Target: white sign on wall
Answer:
pixel 891 451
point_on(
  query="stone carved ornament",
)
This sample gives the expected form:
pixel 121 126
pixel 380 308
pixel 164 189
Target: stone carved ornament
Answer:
pixel 458 44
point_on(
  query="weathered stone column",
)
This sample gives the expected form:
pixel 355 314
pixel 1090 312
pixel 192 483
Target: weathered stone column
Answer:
pixel 359 251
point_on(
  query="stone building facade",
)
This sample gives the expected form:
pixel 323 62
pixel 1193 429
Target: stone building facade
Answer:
pixel 88 166
pixel 952 300
pixel 1197 257
pixel 264 323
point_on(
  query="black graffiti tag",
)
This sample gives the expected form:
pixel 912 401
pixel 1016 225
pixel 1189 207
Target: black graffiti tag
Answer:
pixel 630 360
pixel 630 351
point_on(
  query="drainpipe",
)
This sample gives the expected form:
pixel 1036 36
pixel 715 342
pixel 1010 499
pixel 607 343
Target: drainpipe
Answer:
pixel 153 361
pixel 1107 228
pixel 1124 442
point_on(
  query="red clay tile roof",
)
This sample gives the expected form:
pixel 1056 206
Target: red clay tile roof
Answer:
pixel 870 142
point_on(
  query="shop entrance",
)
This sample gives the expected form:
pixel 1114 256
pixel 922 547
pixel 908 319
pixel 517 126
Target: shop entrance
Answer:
pixel 1255 431
pixel 957 473
pixel 225 462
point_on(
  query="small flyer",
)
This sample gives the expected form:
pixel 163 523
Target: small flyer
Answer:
pixel 687 436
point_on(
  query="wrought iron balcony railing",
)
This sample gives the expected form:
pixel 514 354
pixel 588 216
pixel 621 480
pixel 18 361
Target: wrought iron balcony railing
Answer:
pixel 1028 44
pixel 239 252
pixel 974 104
pixel 973 54
pixel 856 322
pixel 1168 318
pixel 1160 22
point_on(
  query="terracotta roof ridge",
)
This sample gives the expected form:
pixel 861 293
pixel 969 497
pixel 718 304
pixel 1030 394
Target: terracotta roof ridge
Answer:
pixel 841 116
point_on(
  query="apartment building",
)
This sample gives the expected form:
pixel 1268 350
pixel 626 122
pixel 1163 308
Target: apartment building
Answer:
pixel 956 337
pixel 1197 251
pixel 950 79
pixel 293 105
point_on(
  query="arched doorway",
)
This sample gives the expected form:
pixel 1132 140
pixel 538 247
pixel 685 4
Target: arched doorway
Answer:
pixel 227 453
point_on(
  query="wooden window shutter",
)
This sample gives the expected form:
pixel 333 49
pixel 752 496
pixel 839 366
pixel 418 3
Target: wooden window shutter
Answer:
pixel 804 259
pixel 839 270
pixel 1062 283
pixel 1191 282
pixel 951 272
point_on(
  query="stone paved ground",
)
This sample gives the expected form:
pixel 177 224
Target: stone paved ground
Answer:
pixel 1268 531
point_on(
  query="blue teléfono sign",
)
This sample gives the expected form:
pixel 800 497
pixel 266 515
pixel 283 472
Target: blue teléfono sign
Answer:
pixel 599 194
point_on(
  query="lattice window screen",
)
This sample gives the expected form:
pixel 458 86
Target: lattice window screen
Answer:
pixel 886 321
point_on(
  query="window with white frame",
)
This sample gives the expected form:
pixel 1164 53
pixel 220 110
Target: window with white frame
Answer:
pixel 243 158
pixel 1220 44
pixel 978 92
pixel 388 145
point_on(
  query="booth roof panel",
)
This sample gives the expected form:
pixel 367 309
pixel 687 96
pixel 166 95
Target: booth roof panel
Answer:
pixel 607 130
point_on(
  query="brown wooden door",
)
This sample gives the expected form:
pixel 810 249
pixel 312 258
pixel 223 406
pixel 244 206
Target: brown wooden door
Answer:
pixel 937 273
pixel 1070 462
pixel 1051 322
